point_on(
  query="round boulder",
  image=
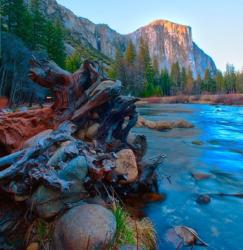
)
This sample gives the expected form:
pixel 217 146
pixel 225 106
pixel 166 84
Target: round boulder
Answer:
pixel 126 165
pixel 84 227
pixel 92 131
pixel 77 169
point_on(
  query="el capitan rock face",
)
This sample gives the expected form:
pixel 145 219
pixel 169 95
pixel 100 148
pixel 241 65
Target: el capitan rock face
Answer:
pixel 168 42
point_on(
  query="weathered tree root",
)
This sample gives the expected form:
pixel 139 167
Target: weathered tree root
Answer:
pixel 78 158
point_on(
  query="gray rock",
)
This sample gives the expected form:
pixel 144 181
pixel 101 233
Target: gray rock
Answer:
pixel 48 203
pixel 203 199
pixel 77 169
pixel 82 226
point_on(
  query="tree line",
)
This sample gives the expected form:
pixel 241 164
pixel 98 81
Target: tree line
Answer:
pixel 141 76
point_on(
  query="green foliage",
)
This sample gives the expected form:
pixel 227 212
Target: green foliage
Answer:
pixel 183 79
pixel 165 82
pixel 130 54
pixel 219 79
pixel 175 75
pixel 230 79
pixel 53 42
pixel 34 29
pixel 124 233
pixel 73 62
pixel 208 84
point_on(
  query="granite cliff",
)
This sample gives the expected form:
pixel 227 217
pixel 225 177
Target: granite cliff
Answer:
pixel 168 42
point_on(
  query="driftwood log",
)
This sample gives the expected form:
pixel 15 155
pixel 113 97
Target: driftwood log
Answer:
pixel 68 151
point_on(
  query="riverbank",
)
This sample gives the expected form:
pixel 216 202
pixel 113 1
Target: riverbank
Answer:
pixel 224 99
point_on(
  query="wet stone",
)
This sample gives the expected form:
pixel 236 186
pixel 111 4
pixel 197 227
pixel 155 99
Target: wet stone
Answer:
pixel 203 199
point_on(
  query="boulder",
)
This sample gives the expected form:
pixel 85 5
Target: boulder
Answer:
pixel 49 203
pixel 77 169
pixel 92 131
pixel 84 227
pixel 126 165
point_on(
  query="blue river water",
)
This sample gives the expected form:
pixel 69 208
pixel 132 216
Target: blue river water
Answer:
pixel 218 151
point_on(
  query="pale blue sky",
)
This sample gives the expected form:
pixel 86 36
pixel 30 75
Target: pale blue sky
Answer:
pixel 217 25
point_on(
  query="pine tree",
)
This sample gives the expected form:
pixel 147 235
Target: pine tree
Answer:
pixel 38 27
pixel 239 82
pixel 130 54
pixel 73 62
pixel 165 82
pixel 117 68
pixel 219 79
pixel 175 76
pixel 198 83
pixel 183 80
pixel 230 79
pixel 146 68
pixel 143 55
pixel 54 42
pixel 189 82
pixel 208 83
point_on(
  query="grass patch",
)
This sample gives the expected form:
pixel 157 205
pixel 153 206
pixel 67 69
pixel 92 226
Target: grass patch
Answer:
pixel 40 231
pixel 124 233
pixel 140 233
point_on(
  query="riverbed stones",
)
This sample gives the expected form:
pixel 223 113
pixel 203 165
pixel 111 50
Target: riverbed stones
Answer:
pixel 84 227
pixel 126 165
pixel 203 199
pixel 201 176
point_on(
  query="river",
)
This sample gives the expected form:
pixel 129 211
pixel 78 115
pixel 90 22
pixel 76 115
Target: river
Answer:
pixel 217 150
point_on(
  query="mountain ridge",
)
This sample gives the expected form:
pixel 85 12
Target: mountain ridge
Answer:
pixel 168 42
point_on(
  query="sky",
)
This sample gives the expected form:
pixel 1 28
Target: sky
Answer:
pixel 217 25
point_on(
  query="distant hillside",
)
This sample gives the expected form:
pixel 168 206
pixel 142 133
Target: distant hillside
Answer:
pixel 168 42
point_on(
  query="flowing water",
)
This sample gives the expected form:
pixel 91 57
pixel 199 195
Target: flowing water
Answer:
pixel 217 150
